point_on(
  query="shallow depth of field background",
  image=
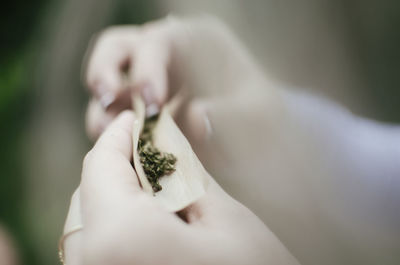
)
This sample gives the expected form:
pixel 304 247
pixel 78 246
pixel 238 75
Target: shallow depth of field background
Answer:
pixel 347 50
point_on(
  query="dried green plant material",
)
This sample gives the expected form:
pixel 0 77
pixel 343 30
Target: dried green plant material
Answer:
pixel 188 182
pixel 156 164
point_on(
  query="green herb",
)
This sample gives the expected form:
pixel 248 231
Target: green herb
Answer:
pixel 156 164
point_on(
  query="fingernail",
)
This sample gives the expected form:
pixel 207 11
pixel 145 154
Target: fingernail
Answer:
pixel 152 110
pixel 107 99
pixel 148 96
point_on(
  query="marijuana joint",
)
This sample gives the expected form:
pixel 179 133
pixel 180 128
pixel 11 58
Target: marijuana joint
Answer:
pixel 156 164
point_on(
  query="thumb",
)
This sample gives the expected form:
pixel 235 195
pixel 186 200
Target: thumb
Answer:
pixel 107 173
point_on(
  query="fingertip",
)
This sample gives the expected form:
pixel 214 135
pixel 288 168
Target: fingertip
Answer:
pixel 126 117
pixel 108 87
pixel 151 95
pixel 152 99
pixel 124 120
pixel 97 119
pixel 118 134
pixel 105 82
pixel 152 110
pixel 107 99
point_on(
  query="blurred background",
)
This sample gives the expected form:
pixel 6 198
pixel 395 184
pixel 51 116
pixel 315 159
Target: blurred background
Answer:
pixel 347 50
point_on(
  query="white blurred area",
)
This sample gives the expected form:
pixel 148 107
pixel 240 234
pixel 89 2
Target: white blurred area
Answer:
pixel 304 44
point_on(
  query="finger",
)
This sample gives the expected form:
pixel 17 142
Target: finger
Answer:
pixel 107 172
pixel 149 74
pixel 111 53
pixel 97 119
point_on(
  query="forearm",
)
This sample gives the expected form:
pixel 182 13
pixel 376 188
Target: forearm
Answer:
pixel 214 61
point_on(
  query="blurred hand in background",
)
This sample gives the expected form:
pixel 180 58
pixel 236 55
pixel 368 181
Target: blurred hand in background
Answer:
pixel 198 56
pixel 8 255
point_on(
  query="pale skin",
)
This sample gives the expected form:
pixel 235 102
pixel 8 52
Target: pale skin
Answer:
pixel 198 56
pixel 159 58
pixel 291 159
pixel 123 225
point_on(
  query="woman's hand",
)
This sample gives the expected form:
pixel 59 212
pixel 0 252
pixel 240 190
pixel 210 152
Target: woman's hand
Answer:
pixel 123 225
pixel 200 56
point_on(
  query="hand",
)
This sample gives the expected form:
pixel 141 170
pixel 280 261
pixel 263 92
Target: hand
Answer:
pixel 200 56
pixel 123 225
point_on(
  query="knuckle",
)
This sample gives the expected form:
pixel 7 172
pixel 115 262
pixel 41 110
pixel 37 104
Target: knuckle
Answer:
pixel 115 34
pixel 106 34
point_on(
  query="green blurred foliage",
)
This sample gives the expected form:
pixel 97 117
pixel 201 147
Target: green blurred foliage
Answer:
pixel 11 83
pixel 18 21
pixel 21 38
